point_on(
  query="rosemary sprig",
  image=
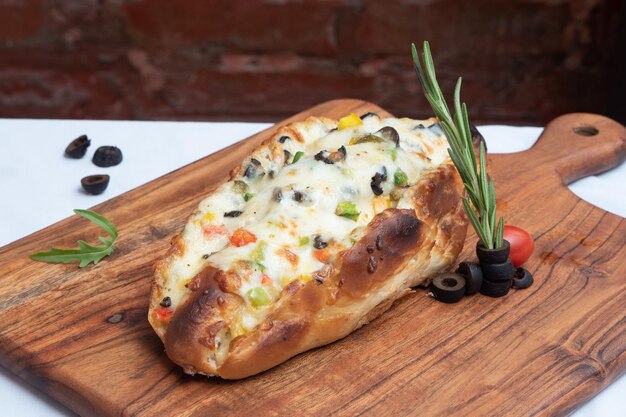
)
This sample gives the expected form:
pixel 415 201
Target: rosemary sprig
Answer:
pixel 84 253
pixel 481 205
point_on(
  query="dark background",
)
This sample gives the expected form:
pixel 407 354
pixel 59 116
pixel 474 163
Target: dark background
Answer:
pixel 523 61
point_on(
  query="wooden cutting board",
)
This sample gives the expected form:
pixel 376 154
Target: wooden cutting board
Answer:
pixel 81 335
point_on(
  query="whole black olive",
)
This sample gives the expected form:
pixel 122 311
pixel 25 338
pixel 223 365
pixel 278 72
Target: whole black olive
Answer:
pixel 449 287
pixel 492 256
pixel 107 156
pixel 495 289
pixel 78 147
pixel 473 276
pixel 95 184
pixel 522 279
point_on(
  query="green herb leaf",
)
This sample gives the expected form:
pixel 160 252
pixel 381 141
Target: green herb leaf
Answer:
pixel 457 130
pixel 85 253
pixel 297 157
pixel 247 196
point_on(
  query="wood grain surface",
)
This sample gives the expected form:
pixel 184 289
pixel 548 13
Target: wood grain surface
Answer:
pixel 82 335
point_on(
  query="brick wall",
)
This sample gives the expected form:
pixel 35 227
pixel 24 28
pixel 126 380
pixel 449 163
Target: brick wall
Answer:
pixel 523 61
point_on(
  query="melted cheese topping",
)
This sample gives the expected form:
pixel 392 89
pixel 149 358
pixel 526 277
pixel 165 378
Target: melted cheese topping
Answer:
pixel 280 221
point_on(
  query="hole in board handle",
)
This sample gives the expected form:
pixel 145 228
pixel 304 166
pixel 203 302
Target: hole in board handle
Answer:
pixel 586 130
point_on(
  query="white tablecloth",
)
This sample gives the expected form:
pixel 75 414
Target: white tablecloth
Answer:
pixel 39 186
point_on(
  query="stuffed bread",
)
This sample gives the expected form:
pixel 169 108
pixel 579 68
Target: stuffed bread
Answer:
pixel 317 232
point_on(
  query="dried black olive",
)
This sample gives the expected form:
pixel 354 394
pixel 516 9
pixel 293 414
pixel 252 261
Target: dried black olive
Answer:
pixel 234 213
pixel 166 302
pixel 473 276
pixel 95 184
pixel 283 139
pixel 389 134
pixel 318 243
pixel 107 156
pixel 368 114
pixel 249 172
pixel 370 249
pixel 287 156
pixel 495 289
pixel 448 287
pixel 255 162
pixel 78 147
pixel 522 279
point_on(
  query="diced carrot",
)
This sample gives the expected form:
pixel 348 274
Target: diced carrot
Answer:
pixel 242 237
pixel 265 280
pixel 212 231
pixel 321 255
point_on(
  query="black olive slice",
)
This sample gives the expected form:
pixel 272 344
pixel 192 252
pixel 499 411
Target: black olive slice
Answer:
pixel 389 134
pixel 368 114
pixel 107 156
pixel 522 279
pixel 492 256
pixel 318 243
pixel 495 289
pixel 473 276
pixel 498 272
pixel 78 147
pixel 449 287
pixel 234 213
pixel 283 139
pixel 377 179
pixel 166 302
pixel 95 184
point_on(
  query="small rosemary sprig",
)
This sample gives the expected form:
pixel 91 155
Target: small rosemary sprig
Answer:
pixel 480 189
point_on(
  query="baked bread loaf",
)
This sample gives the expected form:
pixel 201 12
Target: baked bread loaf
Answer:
pixel 317 232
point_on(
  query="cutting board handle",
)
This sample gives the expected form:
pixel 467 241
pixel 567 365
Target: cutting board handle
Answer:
pixel 581 144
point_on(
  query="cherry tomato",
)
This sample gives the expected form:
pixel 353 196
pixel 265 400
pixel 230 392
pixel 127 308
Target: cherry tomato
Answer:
pixel 522 244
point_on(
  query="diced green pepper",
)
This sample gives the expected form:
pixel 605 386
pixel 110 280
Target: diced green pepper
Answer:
pixel 366 139
pixel 247 196
pixel 347 209
pixel 258 256
pixel 304 240
pixel 259 297
pixel 297 157
pixel 400 178
pixel 240 187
